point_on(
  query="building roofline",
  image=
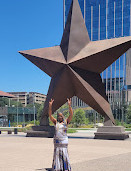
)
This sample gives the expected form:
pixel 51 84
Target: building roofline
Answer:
pixel 26 92
pixel 38 93
pixel 4 94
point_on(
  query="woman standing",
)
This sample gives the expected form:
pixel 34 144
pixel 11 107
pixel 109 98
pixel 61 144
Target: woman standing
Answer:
pixel 61 159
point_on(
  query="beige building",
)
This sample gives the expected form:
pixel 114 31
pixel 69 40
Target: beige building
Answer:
pixel 34 97
pixel 21 97
pixel 29 98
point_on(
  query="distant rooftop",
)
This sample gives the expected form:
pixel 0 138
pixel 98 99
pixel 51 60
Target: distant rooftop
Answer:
pixel 37 93
pixel 4 94
pixel 22 92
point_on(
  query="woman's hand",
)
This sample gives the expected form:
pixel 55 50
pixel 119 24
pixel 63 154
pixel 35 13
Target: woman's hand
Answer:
pixel 69 101
pixel 51 102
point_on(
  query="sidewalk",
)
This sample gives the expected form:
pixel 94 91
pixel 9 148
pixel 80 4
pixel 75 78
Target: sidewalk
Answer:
pixel 20 153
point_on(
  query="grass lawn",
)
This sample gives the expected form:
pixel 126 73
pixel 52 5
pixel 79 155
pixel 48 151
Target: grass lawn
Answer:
pixel 128 129
pixel 71 130
pixel 74 130
pixel 81 128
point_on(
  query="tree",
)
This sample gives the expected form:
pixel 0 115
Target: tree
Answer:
pixel 5 101
pixel 79 117
pixel 40 111
pixel 128 114
pixel 37 106
pixel 64 110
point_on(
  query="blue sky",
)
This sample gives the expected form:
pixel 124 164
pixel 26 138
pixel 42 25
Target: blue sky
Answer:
pixel 24 25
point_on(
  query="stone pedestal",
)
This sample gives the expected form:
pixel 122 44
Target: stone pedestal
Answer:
pixel 41 131
pixel 111 133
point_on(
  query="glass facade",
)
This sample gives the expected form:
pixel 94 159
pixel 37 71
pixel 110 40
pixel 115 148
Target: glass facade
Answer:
pixel 10 113
pixel 106 19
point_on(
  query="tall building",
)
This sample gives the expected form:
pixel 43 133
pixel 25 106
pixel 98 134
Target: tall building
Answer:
pixel 106 19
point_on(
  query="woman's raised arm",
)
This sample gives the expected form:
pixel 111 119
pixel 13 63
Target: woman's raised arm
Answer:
pixel 50 112
pixel 70 111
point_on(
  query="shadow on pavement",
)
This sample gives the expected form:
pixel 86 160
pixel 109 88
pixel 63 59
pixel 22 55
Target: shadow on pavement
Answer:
pixel 39 169
pixel 47 169
pixel 80 137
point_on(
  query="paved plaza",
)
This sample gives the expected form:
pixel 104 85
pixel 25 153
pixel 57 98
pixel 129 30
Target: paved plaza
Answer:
pixel 20 153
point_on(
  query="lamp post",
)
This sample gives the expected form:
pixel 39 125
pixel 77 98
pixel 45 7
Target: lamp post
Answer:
pixel 95 118
pixel 9 102
pixel 116 114
pixel 34 114
pixel 23 118
pixel 17 111
pixel 34 106
pixel 122 115
pixel 4 120
pixel 117 107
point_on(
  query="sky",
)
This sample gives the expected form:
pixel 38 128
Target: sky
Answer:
pixel 24 25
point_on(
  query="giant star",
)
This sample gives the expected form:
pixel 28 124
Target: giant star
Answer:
pixel 75 65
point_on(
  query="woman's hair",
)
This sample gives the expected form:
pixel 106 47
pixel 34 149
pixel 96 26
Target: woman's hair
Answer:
pixel 62 116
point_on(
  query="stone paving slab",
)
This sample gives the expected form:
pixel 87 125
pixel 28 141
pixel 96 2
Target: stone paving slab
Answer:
pixel 121 162
pixel 20 153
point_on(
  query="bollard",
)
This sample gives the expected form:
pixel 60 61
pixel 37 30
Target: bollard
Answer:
pixel 15 130
pixel 9 132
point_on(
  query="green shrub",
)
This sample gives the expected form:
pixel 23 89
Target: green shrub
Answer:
pixel 71 131
pixel 14 124
pixel 86 126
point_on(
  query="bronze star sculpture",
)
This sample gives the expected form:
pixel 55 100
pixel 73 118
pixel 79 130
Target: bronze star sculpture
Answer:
pixel 76 64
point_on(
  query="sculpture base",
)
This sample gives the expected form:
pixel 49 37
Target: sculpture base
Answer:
pixel 111 133
pixel 41 131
